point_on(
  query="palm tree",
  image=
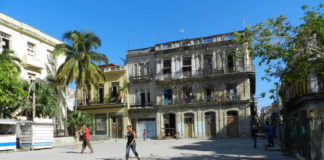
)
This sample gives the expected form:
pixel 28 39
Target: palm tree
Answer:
pixel 79 65
pixel 9 56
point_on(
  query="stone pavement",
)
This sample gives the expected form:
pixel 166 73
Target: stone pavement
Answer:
pixel 157 150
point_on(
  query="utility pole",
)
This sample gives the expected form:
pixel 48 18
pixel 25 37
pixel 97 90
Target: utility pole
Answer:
pixel 34 103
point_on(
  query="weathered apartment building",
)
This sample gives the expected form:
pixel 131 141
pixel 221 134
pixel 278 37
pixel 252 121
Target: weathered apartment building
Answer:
pixel 191 88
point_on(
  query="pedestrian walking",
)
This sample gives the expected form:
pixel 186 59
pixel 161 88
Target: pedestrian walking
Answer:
pixel 76 138
pixel 86 139
pixel 270 134
pixel 131 144
pixel 144 134
pixel 254 135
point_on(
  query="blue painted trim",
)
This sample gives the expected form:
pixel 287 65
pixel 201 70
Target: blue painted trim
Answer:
pixel 6 144
pixel 37 144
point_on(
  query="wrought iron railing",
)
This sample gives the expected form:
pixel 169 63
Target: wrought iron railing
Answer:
pixel 202 73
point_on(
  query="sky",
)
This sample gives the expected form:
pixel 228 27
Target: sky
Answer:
pixel 132 24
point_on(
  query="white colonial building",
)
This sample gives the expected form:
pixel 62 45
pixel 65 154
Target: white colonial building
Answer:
pixel 31 46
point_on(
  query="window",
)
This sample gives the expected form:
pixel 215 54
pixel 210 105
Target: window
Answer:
pixel 4 40
pixel 186 68
pixel 208 65
pixel 230 63
pixel 208 94
pixel 231 88
pixel 101 93
pixel 167 96
pixel 115 86
pixel 142 66
pixel 50 58
pixel 31 49
pixel 166 67
pixel 142 99
pixel 148 96
pixel 188 94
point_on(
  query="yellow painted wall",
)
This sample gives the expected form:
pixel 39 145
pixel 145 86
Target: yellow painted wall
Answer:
pixel 117 111
pixel 113 76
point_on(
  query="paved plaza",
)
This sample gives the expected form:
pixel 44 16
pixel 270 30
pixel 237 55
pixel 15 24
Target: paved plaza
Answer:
pixel 157 150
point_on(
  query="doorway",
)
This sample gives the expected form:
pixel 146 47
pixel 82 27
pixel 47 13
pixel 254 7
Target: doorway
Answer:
pixel 189 125
pixel 142 99
pixel 116 126
pixel 210 126
pixel 232 124
pixel 101 93
pixel 100 121
pixel 169 124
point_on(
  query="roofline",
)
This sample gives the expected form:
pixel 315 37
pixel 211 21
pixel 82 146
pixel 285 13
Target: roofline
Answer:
pixel 151 47
pixel 27 30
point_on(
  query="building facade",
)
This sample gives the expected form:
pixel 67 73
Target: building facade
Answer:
pixel 34 49
pixel 191 88
pixel 31 46
pixel 303 116
pixel 108 103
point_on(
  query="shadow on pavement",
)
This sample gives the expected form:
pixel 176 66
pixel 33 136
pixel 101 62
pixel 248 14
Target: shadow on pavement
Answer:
pixel 225 149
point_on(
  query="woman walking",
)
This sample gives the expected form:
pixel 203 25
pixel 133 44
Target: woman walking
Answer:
pixel 131 142
pixel 76 138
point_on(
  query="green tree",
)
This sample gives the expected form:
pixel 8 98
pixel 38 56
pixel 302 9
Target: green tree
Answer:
pixel 47 102
pixel 290 52
pixel 11 86
pixel 77 119
pixel 9 56
pixel 80 65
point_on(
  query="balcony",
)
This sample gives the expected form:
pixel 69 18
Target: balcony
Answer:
pixel 143 77
pixel 299 92
pixel 30 61
pixel 132 105
pixel 201 73
pixel 207 99
pixel 115 68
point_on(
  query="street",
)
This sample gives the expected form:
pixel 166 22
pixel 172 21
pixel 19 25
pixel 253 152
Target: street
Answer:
pixel 157 150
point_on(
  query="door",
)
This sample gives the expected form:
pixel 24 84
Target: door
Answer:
pixel 210 126
pixel 116 126
pixel 189 125
pixel 101 124
pixel 101 93
pixel 142 99
pixel 150 127
pixel 232 124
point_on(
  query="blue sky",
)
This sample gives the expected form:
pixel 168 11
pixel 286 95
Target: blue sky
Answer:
pixel 132 24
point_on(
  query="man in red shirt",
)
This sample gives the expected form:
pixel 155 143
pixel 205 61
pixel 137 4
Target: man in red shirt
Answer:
pixel 86 139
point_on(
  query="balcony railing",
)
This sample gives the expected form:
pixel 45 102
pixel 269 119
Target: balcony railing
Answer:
pixel 132 105
pixel 206 99
pixel 201 73
pixel 141 77
pixel 115 68
pixel 298 90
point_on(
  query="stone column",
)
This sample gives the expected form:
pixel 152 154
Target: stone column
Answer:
pixel 193 64
pixel 214 60
pixel 173 66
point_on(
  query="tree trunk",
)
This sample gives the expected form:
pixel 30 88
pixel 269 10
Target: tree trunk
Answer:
pixel 76 95
pixel 1 113
pixel 65 113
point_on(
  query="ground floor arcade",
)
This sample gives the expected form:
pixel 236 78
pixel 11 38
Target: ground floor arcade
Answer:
pixel 204 122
